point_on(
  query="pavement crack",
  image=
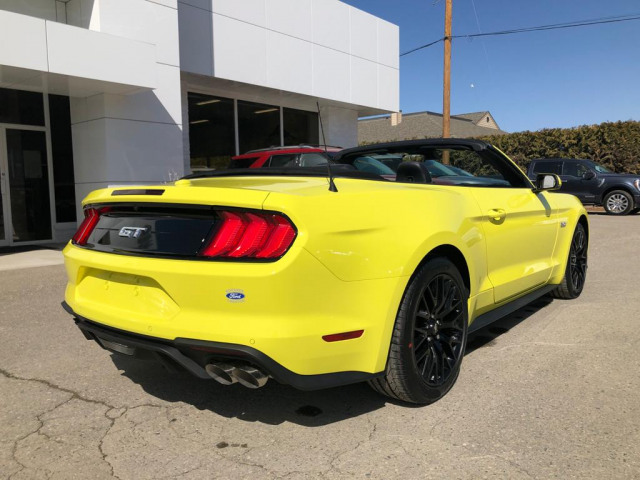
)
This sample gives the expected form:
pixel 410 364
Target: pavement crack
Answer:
pixel 112 422
pixel 75 395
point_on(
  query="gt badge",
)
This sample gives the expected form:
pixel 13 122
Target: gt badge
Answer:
pixel 132 232
pixel 235 296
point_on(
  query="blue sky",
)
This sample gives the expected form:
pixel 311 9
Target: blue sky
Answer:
pixel 529 81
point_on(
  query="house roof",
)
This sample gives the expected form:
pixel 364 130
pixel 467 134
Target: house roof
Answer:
pixel 473 116
pixel 420 125
pixel 477 117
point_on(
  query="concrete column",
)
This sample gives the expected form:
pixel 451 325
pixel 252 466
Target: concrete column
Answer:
pixel 137 138
pixel 340 126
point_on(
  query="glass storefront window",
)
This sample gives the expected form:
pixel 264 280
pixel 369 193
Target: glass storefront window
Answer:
pixel 62 152
pixel 20 107
pixel 211 131
pixel 258 125
pixel 300 127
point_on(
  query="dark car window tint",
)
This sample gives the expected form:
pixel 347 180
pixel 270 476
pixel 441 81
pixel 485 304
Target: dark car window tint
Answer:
pixel 574 169
pixel 371 165
pixel 548 167
pixel 313 159
pixel 287 160
pixel 598 168
pixel 242 162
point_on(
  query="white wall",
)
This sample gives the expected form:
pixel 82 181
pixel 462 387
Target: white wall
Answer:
pixel 44 9
pixel 45 55
pixel 135 138
pixel 321 48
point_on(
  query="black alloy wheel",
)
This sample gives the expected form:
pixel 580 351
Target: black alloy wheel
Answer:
pixel 429 336
pixel 438 330
pixel 575 274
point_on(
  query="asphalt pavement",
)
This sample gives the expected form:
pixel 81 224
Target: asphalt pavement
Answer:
pixel 550 392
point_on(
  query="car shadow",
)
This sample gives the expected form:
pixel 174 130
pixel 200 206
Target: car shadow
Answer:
pixel 272 404
pixel 486 336
pixel 275 403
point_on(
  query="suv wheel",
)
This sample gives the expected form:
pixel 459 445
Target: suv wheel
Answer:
pixel 618 202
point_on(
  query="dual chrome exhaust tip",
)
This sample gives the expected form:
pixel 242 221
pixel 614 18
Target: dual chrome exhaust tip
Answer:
pixel 245 375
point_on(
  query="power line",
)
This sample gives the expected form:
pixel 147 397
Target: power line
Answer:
pixel 555 26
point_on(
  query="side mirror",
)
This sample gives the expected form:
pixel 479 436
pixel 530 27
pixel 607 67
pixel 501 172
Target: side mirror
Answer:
pixel 588 175
pixel 547 181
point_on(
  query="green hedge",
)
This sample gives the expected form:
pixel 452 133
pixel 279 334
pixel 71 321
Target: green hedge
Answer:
pixel 616 145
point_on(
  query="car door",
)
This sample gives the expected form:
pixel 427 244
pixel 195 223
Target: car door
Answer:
pixel 520 226
pixel 575 183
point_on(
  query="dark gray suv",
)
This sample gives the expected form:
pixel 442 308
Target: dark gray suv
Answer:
pixel 593 184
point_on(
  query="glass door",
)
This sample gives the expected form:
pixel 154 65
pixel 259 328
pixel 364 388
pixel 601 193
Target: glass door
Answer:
pixel 25 187
pixel 4 192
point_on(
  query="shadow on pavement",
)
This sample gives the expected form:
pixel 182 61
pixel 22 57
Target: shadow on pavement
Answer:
pixel 485 337
pixel 274 403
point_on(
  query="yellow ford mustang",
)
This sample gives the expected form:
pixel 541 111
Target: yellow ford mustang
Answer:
pixel 373 269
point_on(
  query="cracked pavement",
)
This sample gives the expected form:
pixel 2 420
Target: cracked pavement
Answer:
pixel 551 391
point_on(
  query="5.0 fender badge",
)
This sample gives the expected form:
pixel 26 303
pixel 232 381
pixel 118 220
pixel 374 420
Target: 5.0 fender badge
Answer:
pixel 235 295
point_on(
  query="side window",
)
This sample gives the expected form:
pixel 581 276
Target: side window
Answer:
pixel 466 167
pixel 550 167
pixel 313 159
pixel 286 160
pixel 581 170
pixel 371 165
pixel 242 162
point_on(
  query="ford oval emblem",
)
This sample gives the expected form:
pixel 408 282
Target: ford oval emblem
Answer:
pixel 235 295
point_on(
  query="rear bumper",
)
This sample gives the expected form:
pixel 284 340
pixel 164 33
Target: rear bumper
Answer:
pixel 193 355
pixel 288 306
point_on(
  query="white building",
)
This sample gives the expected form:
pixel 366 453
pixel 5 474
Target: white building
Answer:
pixel 100 92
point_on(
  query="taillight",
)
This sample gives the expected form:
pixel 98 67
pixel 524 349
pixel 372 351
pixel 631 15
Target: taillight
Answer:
pixel 250 235
pixel 91 217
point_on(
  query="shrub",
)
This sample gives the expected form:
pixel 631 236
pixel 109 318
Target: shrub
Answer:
pixel 616 145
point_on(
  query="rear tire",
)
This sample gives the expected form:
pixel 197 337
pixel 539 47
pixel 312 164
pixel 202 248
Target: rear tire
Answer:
pixel 429 336
pixel 618 202
pixel 575 275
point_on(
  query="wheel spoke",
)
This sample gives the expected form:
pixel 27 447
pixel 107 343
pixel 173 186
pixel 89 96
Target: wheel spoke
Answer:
pixel 451 322
pixel 438 330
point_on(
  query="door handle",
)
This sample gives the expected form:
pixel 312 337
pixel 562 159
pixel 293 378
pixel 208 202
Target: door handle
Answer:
pixel 497 215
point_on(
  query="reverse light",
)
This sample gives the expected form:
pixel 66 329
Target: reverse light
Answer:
pixel 91 218
pixel 250 235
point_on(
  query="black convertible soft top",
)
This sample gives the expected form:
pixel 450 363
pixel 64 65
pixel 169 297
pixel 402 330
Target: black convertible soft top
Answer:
pixel 337 171
pixel 413 145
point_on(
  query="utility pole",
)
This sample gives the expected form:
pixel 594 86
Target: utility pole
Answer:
pixel 446 100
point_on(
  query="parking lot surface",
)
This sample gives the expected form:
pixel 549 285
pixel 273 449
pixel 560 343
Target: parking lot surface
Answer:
pixel 553 391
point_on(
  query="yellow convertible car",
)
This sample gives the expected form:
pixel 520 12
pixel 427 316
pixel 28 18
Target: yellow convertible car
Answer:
pixel 329 275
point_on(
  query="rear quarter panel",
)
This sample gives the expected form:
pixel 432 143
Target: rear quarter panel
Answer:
pixel 371 230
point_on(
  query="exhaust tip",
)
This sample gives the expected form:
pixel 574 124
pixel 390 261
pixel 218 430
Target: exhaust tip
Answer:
pixel 250 377
pixel 221 373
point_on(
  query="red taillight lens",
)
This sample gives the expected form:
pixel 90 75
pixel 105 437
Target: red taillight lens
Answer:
pixel 91 217
pixel 250 235
pixel 279 240
pixel 230 232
